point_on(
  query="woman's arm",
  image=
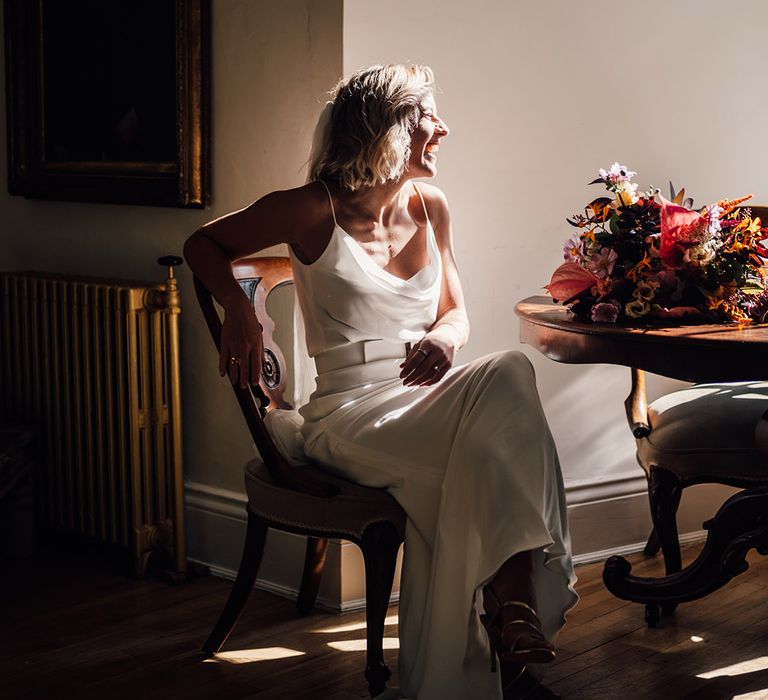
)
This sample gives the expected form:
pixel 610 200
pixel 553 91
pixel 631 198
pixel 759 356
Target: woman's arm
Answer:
pixel 275 218
pixel 450 331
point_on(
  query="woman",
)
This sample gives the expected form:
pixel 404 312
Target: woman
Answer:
pixel 465 450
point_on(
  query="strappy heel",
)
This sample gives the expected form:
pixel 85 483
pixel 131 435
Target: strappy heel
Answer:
pixel 539 652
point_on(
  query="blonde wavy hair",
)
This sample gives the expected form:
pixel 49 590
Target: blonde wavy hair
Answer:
pixel 375 111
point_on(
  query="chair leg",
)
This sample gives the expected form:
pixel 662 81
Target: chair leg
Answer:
pixel 653 545
pixel 314 563
pixel 664 491
pixel 253 550
pixel 380 545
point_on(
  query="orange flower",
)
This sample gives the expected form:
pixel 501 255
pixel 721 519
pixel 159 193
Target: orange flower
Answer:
pixel 635 270
pixel 728 205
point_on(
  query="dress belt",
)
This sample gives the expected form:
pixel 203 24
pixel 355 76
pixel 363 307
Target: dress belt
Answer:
pixel 359 353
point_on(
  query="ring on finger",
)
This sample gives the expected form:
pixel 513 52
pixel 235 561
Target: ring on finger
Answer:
pixel 436 368
pixel 423 352
pixel 234 360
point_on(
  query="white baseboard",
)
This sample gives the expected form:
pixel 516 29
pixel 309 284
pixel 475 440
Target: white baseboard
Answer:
pixel 607 517
pixel 603 554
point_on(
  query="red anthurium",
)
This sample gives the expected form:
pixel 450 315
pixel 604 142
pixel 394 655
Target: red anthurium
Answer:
pixel 678 312
pixel 569 281
pixel 676 224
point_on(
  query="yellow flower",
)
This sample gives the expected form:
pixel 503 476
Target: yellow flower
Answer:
pixel 646 290
pixel 626 193
pixel 637 308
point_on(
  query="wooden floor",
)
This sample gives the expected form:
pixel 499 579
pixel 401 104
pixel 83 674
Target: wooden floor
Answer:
pixel 74 629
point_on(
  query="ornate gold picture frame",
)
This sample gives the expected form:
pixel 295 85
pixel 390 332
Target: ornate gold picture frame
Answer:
pixel 109 101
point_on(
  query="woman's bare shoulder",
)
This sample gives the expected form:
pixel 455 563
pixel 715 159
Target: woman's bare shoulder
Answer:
pixel 303 206
pixel 311 219
pixel 301 213
pixel 435 201
pixel 292 216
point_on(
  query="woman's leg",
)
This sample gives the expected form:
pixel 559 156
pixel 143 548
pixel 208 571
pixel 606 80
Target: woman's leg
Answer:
pixel 510 602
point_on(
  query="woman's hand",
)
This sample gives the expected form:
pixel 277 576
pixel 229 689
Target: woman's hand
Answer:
pixel 242 348
pixel 430 358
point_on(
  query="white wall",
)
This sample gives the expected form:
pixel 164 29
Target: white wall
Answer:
pixel 538 96
pixel 272 63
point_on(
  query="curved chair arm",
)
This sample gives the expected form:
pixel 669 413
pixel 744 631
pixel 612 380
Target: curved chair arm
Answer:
pixel 636 406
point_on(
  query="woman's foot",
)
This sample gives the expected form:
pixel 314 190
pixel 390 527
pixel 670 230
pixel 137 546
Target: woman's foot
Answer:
pixel 514 631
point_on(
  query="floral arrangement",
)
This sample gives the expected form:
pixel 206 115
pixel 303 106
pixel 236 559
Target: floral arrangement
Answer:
pixel 638 256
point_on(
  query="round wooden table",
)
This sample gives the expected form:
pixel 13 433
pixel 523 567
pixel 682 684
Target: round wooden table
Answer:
pixel 699 353
pixel 696 353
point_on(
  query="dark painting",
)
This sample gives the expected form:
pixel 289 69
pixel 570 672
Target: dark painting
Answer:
pixel 108 100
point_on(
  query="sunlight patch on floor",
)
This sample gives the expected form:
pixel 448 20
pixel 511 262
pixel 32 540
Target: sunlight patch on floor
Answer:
pixel 391 620
pixel 360 645
pixel 754 695
pixel 758 664
pixel 696 638
pixel 247 656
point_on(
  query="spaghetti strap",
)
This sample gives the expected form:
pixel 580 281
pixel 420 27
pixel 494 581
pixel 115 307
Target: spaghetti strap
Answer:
pixel 330 199
pixel 421 197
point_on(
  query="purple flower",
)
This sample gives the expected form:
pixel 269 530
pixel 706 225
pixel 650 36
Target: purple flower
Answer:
pixel 601 264
pixel 670 284
pixel 605 312
pixel 573 250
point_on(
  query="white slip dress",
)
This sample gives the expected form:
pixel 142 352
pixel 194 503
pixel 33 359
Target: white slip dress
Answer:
pixel 470 459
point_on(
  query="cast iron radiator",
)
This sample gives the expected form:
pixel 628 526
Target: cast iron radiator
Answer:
pixel 93 364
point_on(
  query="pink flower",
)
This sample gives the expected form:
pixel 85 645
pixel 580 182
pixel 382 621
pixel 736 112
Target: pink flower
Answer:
pixel 678 225
pixel 569 281
pixel 605 312
pixel 601 264
pixel 617 173
pixel 712 216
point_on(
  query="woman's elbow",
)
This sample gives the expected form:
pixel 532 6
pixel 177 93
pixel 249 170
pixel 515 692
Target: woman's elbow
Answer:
pixel 191 248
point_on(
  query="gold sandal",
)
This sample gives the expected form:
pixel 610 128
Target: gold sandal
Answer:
pixel 539 652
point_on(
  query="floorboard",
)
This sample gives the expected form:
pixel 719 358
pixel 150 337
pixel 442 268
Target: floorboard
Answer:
pixel 73 627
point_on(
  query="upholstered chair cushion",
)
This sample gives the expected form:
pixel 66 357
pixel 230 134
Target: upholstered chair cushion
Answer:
pixel 350 512
pixel 707 429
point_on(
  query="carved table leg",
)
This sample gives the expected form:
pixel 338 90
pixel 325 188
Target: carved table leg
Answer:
pixel 740 525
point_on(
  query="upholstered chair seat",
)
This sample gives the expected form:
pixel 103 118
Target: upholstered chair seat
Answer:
pixel 348 514
pixel 707 430
pixel 706 433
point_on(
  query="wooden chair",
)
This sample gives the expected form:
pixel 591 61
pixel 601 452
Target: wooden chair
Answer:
pixel 706 433
pixel 302 500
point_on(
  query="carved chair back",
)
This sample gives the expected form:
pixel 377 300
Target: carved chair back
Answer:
pixel 259 277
